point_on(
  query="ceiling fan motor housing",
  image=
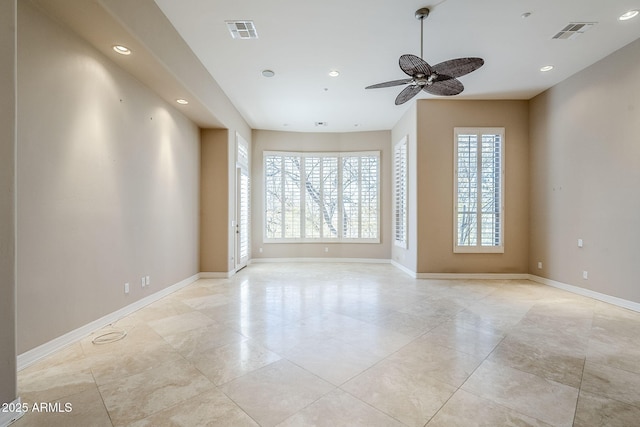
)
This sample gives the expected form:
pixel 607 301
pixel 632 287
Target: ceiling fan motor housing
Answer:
pixel 422 13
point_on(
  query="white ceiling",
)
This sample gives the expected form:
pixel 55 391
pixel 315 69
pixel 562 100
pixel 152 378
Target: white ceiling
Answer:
pixel 303 40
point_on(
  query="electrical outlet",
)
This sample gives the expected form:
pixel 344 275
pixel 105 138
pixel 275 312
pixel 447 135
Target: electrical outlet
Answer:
pixel 147 280
pixel 126 288
pixel 143 282
pixel 580 243
pixel 326 249
pixel 260 250
pixel 585 275
pixel 539 264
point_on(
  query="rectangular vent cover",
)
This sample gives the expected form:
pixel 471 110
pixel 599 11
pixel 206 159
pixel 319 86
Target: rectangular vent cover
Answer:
pixel 573 30
pixel 242 29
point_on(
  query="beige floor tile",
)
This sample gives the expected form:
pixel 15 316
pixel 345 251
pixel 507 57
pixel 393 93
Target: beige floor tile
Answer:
pixel 141 395
pixel 551 402
pixel 62 374
pixel 537 360
pixel 331 359
pixel 275 392
pixel 489 318
pixel 556 337
pixel 211 408
pixel 286 337
pixel 402 345
pixel 613 383
pixel 442 363
pixel 616 352
pixel 201 340
pixel 598 411
pixel 470 339
pixel 339 409
pixel 407 324
pixel 129 357
pixel 433 308
pixel 207 301
pixel 366 310
pixel 80 409
pixel 180 323
pixel 376 340
pixel 465 410
pixel 166 307
pixel 253 323
pixel 138 337
pixel 406 393
pixel 226 363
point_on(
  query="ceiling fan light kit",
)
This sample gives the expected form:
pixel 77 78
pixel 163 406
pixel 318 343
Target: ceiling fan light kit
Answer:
pixel 440 79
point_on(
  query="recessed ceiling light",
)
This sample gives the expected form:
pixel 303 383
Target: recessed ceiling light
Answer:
pixel 546 68
pixel 628 15
pixel 268 73
pixel 334 73
pixel 122 50
pixel 182 101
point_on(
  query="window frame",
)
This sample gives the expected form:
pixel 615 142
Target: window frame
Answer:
pixel 401 193
pixel 478 247
pixel 303 194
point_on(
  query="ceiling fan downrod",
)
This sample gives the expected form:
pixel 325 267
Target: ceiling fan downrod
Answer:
pixel 421 14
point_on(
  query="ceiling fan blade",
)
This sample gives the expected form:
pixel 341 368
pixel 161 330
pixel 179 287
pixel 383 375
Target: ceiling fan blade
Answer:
pixel 389 84
pixel 407 93
pixel 448 87
pixel 414 65
pixel 458 67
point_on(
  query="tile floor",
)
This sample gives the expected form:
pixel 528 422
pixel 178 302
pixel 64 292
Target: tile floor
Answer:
pixel 352 345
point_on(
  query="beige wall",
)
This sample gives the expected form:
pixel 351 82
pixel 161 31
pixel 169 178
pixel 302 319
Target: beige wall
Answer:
pixel 7 201
pixel 108 178
pixel 214 210
pixel 408 126
pixel 293 141
pixel 585 177
pixel 436 122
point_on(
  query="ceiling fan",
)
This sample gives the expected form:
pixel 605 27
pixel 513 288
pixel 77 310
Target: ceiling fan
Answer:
pixel 440 79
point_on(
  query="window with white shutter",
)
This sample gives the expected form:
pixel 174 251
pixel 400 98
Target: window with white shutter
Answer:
pixel 400 176
pixel 330 197
pixel 479 190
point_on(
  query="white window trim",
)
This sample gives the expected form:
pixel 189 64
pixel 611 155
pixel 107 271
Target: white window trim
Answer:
pixel 478 131
pixel 338 239
pixel 401 147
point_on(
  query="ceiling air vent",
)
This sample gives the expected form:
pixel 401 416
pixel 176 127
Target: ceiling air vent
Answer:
pixel 242 29
pixel 573 30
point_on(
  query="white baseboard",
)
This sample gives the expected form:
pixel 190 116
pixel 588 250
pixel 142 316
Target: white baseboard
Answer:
pixel 399 266
pixel 587 293
pixel 322 260
pixel 30 357
pixel 216 275
pixel 471 276
pixel 12 413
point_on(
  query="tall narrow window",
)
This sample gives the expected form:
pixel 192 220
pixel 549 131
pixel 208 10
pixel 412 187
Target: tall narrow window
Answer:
pixel 400 176
pixel 479 189
pixel 243 213
pixel 322 196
